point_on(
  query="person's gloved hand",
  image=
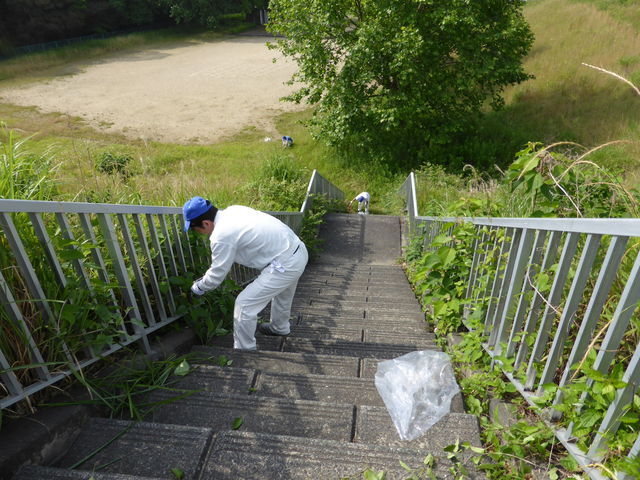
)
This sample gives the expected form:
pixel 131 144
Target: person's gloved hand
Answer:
pixel 195 288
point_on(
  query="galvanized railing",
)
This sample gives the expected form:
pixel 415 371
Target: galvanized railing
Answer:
pixel 319 186
pixel 80 281
pixel 540 287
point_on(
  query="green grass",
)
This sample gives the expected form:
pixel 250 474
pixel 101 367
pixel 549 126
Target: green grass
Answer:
pixel 625 11
pixel 168 174
pixel 566 100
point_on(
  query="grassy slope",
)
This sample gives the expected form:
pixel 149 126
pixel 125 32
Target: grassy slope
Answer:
pixel 568 101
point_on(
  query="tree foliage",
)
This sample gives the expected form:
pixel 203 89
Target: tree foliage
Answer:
pixel 206 12
pixel 396 79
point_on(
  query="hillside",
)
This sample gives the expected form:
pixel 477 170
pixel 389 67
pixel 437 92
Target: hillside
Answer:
pixel 567 101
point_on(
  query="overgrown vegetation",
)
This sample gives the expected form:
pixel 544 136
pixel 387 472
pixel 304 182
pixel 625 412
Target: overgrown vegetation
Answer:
pixel 398 81
pixel 538 183
pixel 89 314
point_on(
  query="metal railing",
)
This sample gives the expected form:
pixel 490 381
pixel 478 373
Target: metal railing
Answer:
pixel 540 286
pixel 80 281
pixel 318 185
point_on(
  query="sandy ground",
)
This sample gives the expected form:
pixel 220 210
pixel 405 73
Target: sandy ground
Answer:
pixel 191 93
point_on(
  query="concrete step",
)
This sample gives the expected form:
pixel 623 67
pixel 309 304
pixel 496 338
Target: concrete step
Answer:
pixel 302 303
pixel 343 283
pixel 281 362
pixel 243 455
pixel 35 472
pixel 143 449
pixel 379 294
pixel 315 296
pixel 387 317
pixel 293 367
pixel 279 416
pixel 374 426
pixel 376 337
pixel 321 388
pixel 391 277
pixel 356 321
pixel 373 313
pixel 346 348
pixel 370 334
pixel 323 265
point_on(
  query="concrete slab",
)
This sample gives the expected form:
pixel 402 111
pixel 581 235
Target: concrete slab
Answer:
pixel 326 332
pixel 278 416
pixel 144 449
pixel 285 362
pixel 362 304
pixel 363 239
pixel 353 294
pixel 218 379
pixel 236 455
pixel 422 341
pixel 360 322
pixel 322 388
pixel 374 426
pixel 263 342
pixel 341 347
pixel 391 276
pixel 34 472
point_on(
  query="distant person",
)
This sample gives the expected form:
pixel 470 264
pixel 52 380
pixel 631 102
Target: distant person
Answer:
pixel 257 240
pixel 287 141
pixel 363 202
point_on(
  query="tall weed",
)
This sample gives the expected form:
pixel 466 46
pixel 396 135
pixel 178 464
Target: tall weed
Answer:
pixel 24 175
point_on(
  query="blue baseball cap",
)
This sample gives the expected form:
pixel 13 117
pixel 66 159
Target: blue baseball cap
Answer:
pixel 193 208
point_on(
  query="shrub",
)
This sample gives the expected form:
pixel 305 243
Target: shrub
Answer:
pixel 114 163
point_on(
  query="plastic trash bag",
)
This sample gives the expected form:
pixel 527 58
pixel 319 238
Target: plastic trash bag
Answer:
pixel 417 389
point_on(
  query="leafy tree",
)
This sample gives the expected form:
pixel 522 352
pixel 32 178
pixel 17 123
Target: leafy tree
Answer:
pixel 206 12
pixel 396 79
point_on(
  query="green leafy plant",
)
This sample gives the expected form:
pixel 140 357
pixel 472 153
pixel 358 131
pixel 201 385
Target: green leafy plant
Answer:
pixel 114 163
pixel 440 275
pixel 123 387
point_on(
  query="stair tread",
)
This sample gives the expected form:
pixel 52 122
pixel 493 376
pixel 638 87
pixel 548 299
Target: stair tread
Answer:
pixel 145 449
pixel 283 416
pixel 343 347
pixel 36 472
pixel 288 362
pixel 248 455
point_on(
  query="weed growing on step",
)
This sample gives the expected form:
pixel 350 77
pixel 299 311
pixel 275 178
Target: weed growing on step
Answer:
pixel 122 388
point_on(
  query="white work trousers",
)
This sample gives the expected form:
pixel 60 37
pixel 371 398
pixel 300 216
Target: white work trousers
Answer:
pixel 363 205
pixel 272 285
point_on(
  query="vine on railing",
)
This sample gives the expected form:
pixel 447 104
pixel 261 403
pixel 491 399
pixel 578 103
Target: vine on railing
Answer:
pixel 552 303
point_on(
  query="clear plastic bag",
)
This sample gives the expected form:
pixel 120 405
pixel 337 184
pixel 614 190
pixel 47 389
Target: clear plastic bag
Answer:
pixel 417 389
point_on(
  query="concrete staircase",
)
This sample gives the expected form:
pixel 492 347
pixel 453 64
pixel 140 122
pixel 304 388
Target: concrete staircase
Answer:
pixel 307 402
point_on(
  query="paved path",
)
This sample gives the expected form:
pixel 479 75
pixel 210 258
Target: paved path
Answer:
pixel 308 404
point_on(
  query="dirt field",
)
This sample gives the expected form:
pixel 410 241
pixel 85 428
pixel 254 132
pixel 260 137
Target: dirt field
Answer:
pixel 191 93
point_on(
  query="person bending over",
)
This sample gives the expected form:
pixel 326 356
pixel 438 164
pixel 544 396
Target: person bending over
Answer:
pixel 363 202
pixel 257 240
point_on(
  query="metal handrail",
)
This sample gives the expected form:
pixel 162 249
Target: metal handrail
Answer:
pixel 124 259
pixel 545 334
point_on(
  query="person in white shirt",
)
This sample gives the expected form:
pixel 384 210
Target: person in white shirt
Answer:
pixel 257 240
pixel 363 202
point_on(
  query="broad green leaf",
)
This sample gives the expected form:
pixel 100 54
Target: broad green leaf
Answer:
pixel 177 473
pixel 373 475
pixel 182 369
pixel 237 423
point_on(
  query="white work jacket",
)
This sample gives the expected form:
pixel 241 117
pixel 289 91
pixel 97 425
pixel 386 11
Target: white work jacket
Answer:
pixel 248 237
